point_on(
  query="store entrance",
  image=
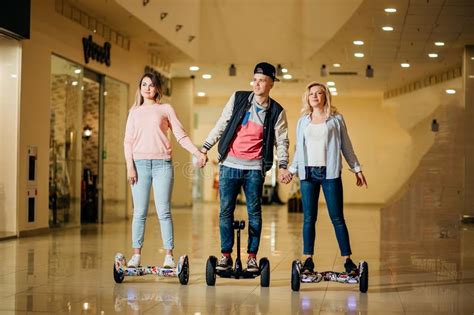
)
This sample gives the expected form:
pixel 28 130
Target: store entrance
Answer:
pixel 90 147
pixel 87 182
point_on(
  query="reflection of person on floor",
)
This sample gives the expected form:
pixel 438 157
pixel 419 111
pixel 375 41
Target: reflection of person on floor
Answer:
pixel 249 127
pixel 321 138
pixel 148 156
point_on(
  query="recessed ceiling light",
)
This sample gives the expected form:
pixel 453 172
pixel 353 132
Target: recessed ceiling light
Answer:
pixel 405 65
pixel 336 65
pixel 333 90
pixel 358 42
pixel 439 43
pixel 77 71
pixel 194 68
pixel 387 28
pixel 330 83
pixel 334 93
pixel 359 55
pixel 433 55
pixel 451 91
pixel 251 83
pixel 206 76
pixel 390 10
pixel 201 94
pixel 14 76
pixel 287 76
pixel 75 83
pixel 284 70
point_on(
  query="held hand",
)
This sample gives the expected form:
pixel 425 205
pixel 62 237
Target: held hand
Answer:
pixel 204 159
pixel 285 176
pixel 361 180
pixel 201 159
pixel 132 176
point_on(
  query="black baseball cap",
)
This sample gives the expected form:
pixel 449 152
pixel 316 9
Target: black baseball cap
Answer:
pixel 266 69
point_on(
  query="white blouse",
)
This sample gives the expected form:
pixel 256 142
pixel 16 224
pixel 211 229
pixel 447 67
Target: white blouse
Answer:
pixel 316 140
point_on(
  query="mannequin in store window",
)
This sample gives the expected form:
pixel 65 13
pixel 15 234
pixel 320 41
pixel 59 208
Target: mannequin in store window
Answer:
pixel 321 140
pixel 148 157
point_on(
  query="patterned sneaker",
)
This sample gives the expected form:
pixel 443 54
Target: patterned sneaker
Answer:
pixel 252 264
pixel 169 262
pixel 350 266
pixel 308 266
pixel 134 262
pixel 225 263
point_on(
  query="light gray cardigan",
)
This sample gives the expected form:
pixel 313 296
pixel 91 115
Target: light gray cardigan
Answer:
pixel 338 142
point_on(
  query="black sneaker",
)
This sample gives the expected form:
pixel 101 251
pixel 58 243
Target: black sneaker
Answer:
pixel 350 266
pixel 225 263
pixel 308 266
pixel 252 264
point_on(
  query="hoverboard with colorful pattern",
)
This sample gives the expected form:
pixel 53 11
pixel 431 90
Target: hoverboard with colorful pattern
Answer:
pixel 121 270
pixel 238 272
pixel 360 276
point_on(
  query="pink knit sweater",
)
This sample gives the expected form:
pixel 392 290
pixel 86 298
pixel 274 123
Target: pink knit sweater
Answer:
pixel 146 133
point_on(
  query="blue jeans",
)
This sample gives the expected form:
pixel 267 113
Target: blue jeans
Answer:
pixel 158 173
pixel 332 188
pixel 230 182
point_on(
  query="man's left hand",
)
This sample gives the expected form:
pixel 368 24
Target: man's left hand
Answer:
pixel 285 176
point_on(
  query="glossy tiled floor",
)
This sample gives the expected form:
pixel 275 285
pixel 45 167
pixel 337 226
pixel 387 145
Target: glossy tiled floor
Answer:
pixel 70 271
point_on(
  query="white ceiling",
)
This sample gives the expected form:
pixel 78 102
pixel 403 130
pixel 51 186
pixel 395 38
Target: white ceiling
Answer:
pixel 299 34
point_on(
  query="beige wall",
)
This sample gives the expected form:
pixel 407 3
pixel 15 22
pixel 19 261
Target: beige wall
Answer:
pixel 53 33
pixel 388 147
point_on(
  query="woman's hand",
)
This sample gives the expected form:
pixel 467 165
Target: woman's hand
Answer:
pixel 361 180
pixel 201 159
pixel 132 176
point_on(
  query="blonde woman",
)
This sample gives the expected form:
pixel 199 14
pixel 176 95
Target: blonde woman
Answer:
pixel 321 139
pixel 148 157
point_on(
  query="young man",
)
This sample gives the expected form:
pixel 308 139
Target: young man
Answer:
pixel 250 125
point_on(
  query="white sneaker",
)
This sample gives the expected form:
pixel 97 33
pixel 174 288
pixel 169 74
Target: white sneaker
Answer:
pixel 134 262
pixel 169 262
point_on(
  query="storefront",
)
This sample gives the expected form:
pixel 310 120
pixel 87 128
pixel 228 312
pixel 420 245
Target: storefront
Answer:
pixel 78 81
pixel 86 166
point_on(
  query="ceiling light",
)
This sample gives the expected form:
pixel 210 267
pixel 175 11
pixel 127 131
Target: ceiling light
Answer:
pixel 439 43
pixel 323 71
pixel 77 71
pixel 333 89
pixel 201 94
pixel 75 83
pixel 334 93
pixel 358 42
pixel 387 28
pixel 284 70
pixel 279 70
pixel 330 83
pixel 369 71
pixel 390 10
pixel 359 55
pixel 206 76
pixel 251 83
pixel 405 65
pixel 451 91
pixel 433 55
pixel 14 76
pixel 336 65
pixel 287 76
pixel 194 68
pixel 232 70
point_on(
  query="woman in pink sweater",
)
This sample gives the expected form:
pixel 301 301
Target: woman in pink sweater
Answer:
pixel 148 157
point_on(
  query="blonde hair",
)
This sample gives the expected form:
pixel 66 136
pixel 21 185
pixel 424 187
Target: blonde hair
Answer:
pixel 329 109
pixel 155 80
